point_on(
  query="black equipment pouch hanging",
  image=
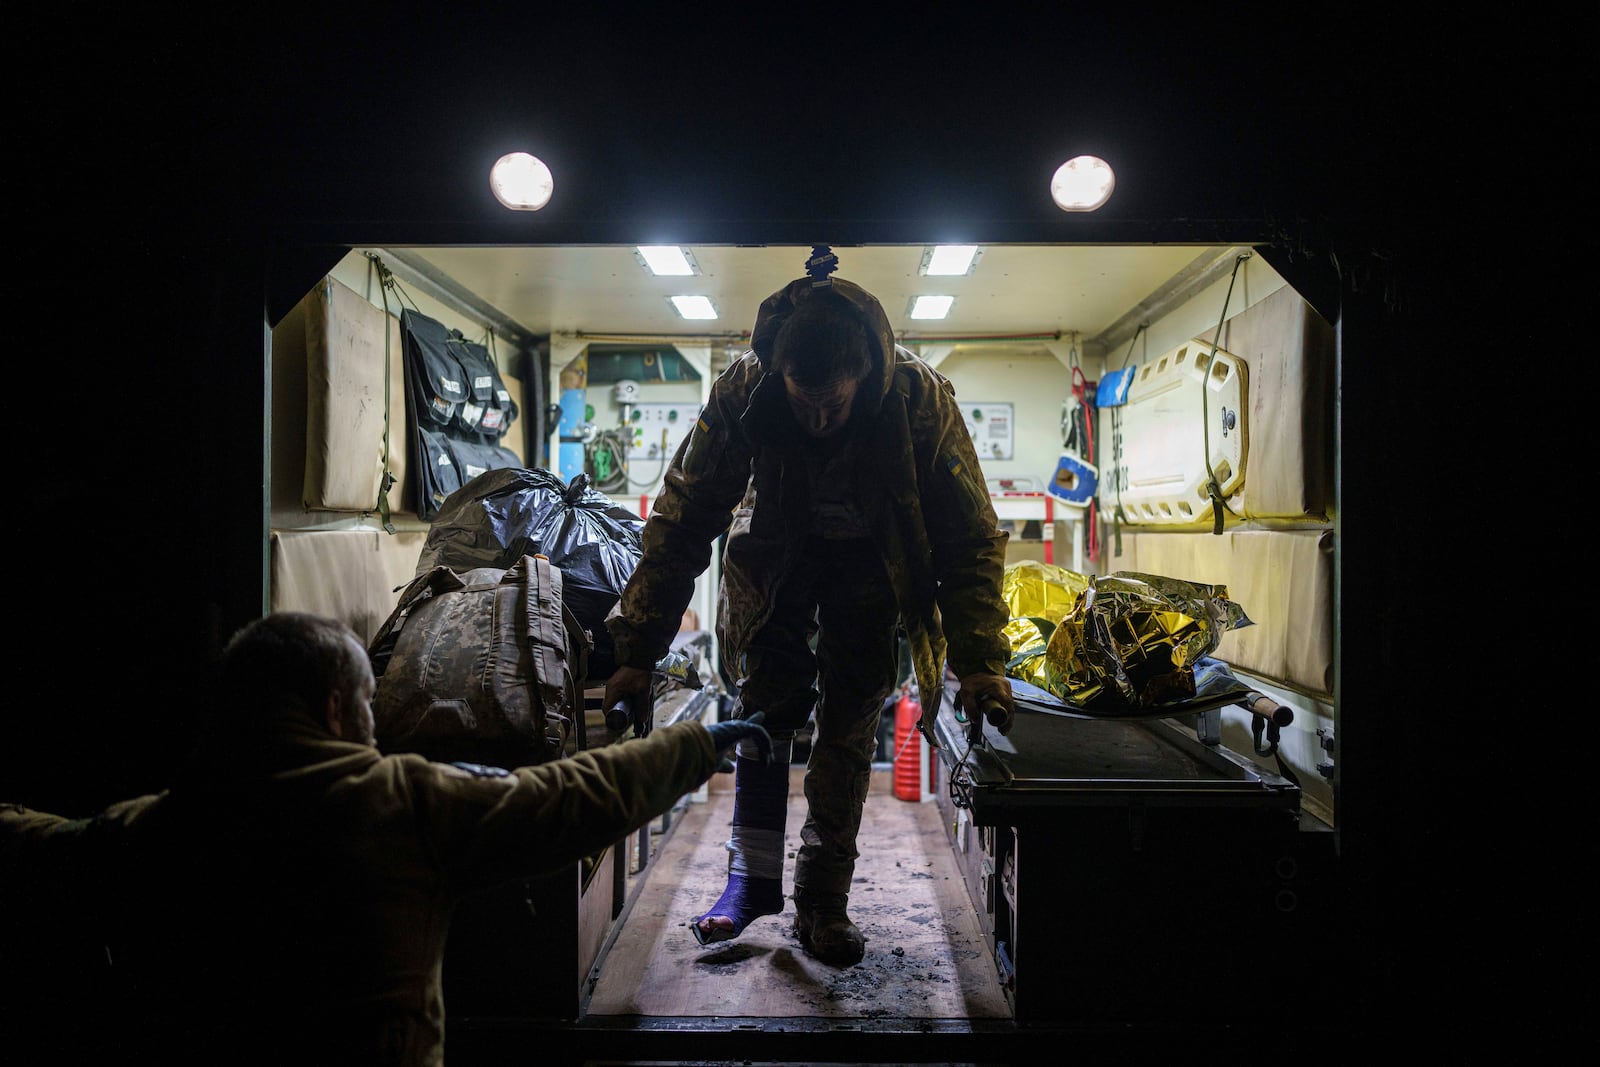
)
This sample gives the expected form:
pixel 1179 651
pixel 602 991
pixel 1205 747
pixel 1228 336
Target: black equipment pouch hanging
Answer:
pixel 478 377
pixel 488 410
pixel 459 408
pixel 436 384
pixel 474 457
pixel 434 470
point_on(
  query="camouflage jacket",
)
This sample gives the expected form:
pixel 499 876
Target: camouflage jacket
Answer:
pixel 739 471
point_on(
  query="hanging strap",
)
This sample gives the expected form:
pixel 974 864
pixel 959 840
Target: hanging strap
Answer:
pixel 1259 726
pixel 1213 490
pixel 1080 438
pixel 385 283
pixel 1118 516
pixel 1074 428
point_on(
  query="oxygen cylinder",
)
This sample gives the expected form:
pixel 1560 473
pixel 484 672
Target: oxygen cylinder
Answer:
pixel 573 402
pixel 570 454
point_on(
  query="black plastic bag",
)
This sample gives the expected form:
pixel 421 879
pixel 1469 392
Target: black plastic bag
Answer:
pixel 501 515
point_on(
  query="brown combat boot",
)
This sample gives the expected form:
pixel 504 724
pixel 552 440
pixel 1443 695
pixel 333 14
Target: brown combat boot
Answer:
pixel 825 931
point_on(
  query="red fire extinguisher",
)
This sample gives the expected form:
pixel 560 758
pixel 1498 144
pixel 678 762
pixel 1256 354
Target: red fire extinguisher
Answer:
pixel 908 784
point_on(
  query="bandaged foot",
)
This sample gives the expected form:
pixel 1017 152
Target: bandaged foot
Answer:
pixel 755 849
pixel 743 901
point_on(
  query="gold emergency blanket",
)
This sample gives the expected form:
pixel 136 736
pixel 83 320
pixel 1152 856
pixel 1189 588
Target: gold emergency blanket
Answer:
pixel 1125 642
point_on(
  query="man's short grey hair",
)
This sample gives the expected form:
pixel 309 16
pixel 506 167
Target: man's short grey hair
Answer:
pixel 290 658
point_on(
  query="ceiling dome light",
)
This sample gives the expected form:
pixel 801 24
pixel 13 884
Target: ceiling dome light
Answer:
pixel 1082 183
pixel 521 182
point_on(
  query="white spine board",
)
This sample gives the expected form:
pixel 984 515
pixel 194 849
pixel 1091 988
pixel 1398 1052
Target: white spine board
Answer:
pixel 1160 444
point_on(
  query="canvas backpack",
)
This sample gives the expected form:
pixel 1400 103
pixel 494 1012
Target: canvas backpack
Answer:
pixel 486 666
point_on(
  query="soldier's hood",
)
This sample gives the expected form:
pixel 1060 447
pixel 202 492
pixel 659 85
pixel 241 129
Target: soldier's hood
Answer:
pixel 776 309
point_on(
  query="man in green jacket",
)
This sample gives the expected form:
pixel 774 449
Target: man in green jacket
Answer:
pixel 288 900
pixel 839 466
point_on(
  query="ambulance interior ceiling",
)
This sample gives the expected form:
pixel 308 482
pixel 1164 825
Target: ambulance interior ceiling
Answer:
pixel 1094 295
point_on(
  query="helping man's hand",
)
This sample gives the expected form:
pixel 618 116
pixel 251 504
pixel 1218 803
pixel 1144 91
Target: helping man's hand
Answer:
pixel 729 732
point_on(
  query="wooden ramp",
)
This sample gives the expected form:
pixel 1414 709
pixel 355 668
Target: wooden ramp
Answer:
pixel 925 958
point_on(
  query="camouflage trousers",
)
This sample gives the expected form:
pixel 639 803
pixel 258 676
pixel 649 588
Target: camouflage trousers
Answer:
pixel 830 651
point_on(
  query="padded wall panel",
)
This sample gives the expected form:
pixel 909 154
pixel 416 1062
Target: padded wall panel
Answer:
pixel 349 575
pixel 1290 352
pixel 1282 578
pixel 346 363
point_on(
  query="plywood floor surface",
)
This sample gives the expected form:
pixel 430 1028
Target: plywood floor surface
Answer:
pixel 925 953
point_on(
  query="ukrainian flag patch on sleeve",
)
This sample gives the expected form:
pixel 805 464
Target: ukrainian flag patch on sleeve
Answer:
pixel 697 447
pixel 953 464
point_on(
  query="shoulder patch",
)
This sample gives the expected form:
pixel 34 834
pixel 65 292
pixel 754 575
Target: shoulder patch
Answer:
pixel 953 464
pixel 481 770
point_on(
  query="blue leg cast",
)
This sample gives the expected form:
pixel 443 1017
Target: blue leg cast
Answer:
pixel 755 850
pixel 744 900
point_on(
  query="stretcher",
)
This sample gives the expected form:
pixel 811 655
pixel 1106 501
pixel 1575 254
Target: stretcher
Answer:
pixel 1109 858
pixel 1032 698
pixel 1216 688
pixel 1057 747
